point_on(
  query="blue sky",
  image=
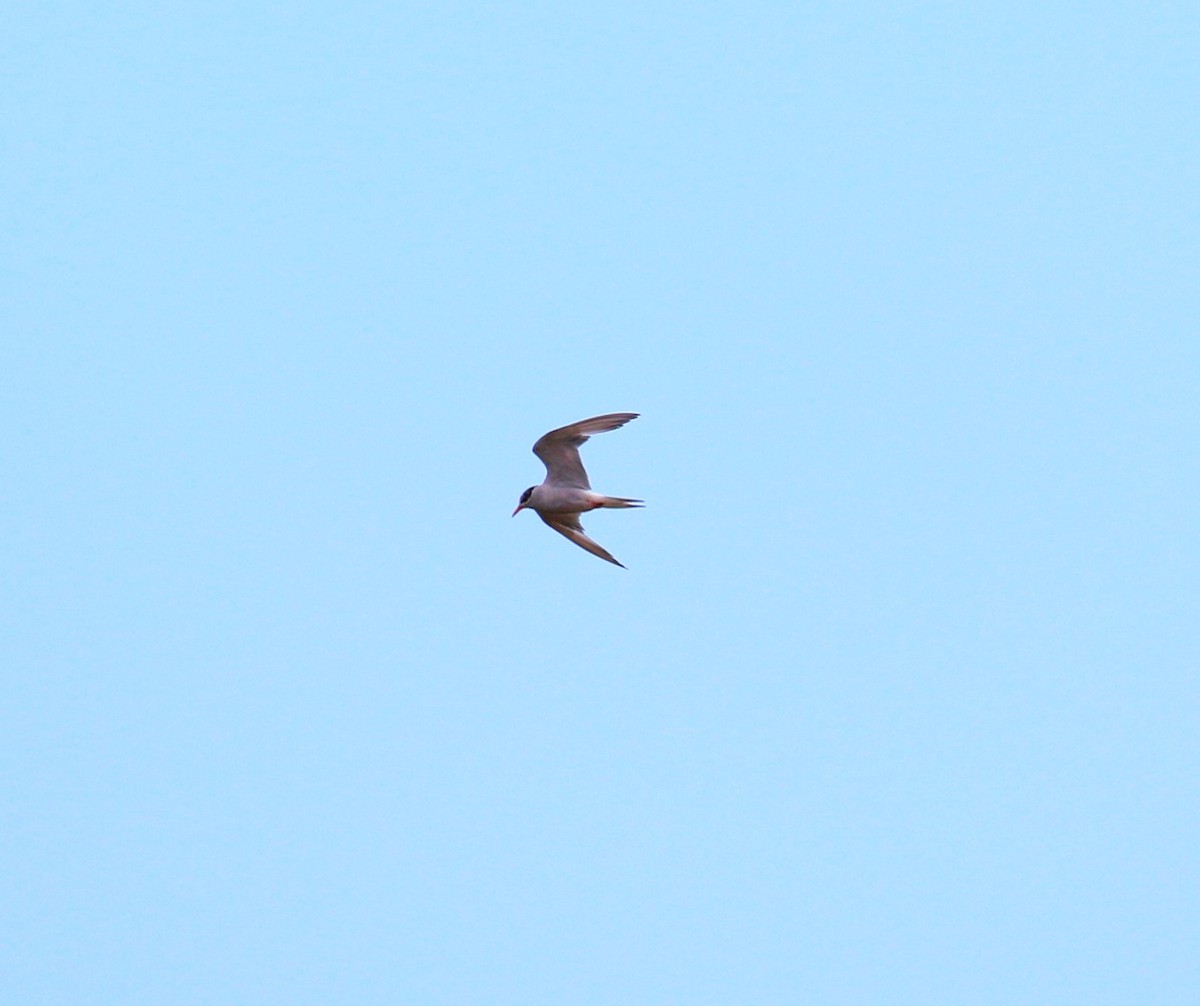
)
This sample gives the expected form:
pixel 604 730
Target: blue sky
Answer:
pixel 897 701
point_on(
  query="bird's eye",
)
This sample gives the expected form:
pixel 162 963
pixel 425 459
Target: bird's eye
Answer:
pixel 526 494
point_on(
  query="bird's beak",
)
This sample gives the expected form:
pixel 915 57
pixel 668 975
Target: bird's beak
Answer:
pixel 520 507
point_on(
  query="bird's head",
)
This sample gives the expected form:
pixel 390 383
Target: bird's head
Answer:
pixel 523 502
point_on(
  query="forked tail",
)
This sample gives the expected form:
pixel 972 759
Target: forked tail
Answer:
pixel 619 502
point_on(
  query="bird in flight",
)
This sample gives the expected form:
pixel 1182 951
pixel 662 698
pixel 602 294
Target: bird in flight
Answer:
pixel 566 493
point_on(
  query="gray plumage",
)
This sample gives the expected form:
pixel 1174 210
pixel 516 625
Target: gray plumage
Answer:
pixel 566 492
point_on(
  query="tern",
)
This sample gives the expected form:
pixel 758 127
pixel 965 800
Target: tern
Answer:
pixel 566 492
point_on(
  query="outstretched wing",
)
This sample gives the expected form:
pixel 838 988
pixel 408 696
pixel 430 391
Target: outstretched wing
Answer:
pixel 567 524
pixel 559 449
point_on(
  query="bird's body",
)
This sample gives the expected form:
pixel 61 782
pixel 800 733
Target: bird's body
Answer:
pixel 566 492
pixel 563 499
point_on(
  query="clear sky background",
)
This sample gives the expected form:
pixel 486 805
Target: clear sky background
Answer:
pixel 898 699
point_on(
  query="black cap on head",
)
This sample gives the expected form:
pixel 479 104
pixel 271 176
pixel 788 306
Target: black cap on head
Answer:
pixel 526 494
